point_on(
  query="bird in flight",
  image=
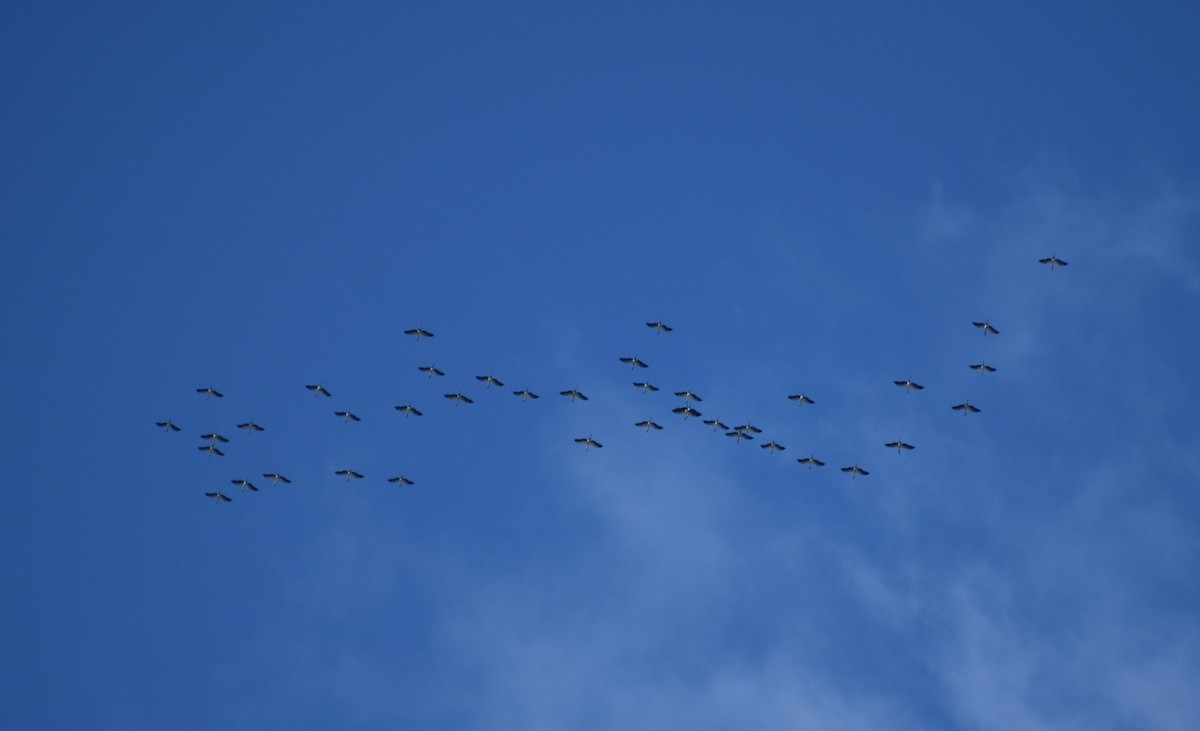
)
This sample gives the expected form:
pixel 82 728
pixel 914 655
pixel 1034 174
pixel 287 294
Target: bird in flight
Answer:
pixel 739 435
pixel 408 410
pixel 800 399
pixel 489 381
pixel 855 471
pixel 250 426
pixel 276 478
pixel 716 424
pixel 909 385
pixel 245 485
pixel 574 394
pixel 982 368
pixel 747 429
pixel 633 362
pixel 687 412
pixel 214 438
pixel 899 446
pixel 418 333
pixel 210 392
pixel 430 371
pixel 167 425
pixel 348 474
pixel 966 408
pixel 346 416
pixel 986 327
pixel 659 327
pixel 318 390
pixel 525 394
pixel 401 481
pixel 211 450
pixel 773 446
pixel 588 443
pixel 648 425
pixel 458 398
pixel 811 462
pixel 219 497
pixel 646 387
pixel 688 396
pixel 1053 261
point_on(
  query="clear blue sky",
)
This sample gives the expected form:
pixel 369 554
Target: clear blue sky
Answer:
pixel 818 200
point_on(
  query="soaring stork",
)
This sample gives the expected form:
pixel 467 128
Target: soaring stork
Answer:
pixel 214 438
pixel 318 389
pixel 646 387
pixel 489 381
pixel 525 394
pixel 716 424
pixel 245 485
pixel 346 416
pixel 210 392
pixel 739 435
pixel 909 385
pixel 986 327
pixel 855 471
pixel 687 412
pixel 408 410
pixel 966 408
pixel 811 462
pixel 1053 261
pixel 276 478
pixel 458 398
pixel 633 362
pixel 418 333
pixel 688 396
pixel 430 371
pixel 773 446
pixel 348 474
pixel 648 425
pixel 659 327
pixel 574 394
pixel 211 449
pixel 899 446
pixel 401 481
pixel 219 497
pixel 167 425
pixel 250 426
pixel 747 428
pixel 800 399
pixel 588 443
pixel 982 368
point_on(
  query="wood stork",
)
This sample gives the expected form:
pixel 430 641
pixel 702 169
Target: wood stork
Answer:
pixel 909 385
pixel 899 446
pixel 687 412
pixel 489 381
pixel 219 497
pixel 401 481
pixel 811 462
pixel 588 443
pixel 855 471
pixel 167 425
pixel 646 387
pixel 318 389
pixel 739 435
pixel 688 396
pixel 525 394
pixel 574 394
pixel 748 429
pixel 418 333
pixel 716 424
pixel 458 398
pixel 276 478
pixel 1053 261
pixel 633 362
pixel 800 399
pixel 982 368
pixel 346 416
pixel 214 438
pixel 773 446
pixel 348 474
pixel 430 371
pixel 210 392
pixel 659 327
pixel 250 426
pixel 245 485
pixel 408 410
pixel 211 450
pixel 986 327
pixel 966 408
pixel 648 425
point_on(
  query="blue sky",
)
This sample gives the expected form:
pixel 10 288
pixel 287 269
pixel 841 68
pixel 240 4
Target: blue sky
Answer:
pixel 818 200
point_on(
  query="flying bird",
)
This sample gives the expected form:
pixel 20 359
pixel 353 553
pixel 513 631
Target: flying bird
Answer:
pixel 966 408
pixel 687 412
pixel 909 385
pixel 800 399
pixel 318 390
pixel 346 416
pixel 773 446
pixel 250 426
pixel 525 394
pixel 348 474
pixel 688 396
pixel 986 327
pixel 659 327
pixel 211 450
pixel 747 429
pixel 167 425
pixel 214 438
pixel 573 394
pixel 588 443
pixel 646 387
pixel 210 392
pixel 401 481
pixel 245 485
pixel 899 446
pixel 648 425
pixel 716 424
pixel 982 368
pixel 739 435
pixel 811 462
pixel 1053 261
pixel 458 398
pixel 633 362
pixel 430 371
pixel 489 381
pixel 276 478
pixel 418 333
pixel 219 497
pixel 408 410
pixel 855 471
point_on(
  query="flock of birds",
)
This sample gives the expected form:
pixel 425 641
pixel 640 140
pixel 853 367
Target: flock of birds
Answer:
pixel 687 409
